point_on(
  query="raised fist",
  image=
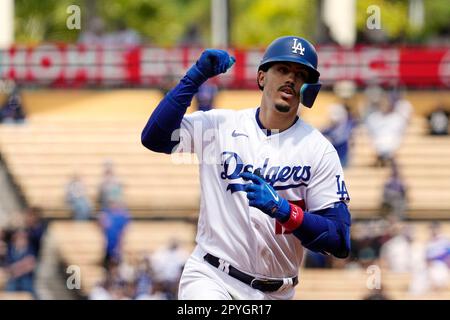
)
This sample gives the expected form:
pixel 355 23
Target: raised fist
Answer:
pixel 211 63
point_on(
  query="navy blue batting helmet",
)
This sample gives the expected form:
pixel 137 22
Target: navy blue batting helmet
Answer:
pixel 297 50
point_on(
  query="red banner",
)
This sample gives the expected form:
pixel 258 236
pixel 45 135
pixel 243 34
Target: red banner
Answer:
pixel 75 66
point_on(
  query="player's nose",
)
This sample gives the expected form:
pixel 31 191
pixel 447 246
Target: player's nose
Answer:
pixel 290 78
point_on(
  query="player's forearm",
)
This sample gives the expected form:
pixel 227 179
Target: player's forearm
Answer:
pixel 166 118
pixel 324 231
pixel 158 133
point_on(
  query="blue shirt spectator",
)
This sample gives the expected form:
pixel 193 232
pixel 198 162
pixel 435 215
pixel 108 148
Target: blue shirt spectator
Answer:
pixel 20 263
pixel 339 132
pixel 113 221
pixel 12 110
pixel 35 228
pixel 205 96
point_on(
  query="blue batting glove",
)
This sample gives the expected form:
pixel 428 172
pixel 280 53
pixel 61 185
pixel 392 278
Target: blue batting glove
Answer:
pixel 263 196
pixel 211 63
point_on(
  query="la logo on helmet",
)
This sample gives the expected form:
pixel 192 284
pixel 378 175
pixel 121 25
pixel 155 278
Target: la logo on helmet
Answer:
pixel 298 46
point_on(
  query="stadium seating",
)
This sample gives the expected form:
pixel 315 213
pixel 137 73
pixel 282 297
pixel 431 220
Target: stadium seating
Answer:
pixel 76 132
pixel 81 243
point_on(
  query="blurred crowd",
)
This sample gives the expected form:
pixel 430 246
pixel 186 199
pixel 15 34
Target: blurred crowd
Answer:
pixel 385 115
pixel 20 250
pixel 397 247
pixel 143 276
pixel 387 240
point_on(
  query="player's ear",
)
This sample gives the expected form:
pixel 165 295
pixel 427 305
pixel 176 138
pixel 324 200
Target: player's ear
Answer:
pixel 261 78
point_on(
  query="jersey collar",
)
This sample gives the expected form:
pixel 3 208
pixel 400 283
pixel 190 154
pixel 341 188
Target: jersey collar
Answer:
pixel 268 132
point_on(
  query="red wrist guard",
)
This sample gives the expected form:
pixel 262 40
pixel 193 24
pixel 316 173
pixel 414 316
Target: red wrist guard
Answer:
pixel 295 218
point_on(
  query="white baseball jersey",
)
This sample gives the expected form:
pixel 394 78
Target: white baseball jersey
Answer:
pixel 300 163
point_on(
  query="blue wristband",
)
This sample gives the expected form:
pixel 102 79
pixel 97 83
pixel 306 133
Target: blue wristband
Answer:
pixel 196 75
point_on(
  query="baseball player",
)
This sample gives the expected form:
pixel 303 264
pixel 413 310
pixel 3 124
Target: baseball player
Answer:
pixel 270 183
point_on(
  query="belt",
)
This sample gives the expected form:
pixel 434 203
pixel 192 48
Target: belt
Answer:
pixel 265 285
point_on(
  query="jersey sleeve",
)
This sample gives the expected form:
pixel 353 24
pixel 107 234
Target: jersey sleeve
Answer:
pixel 195 132
pixel 327 185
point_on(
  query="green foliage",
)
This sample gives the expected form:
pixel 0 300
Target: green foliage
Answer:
pixel 258 22
pixel 394 16
pixel 43 20
pixel 395 20
pixel 253 22
pixel 437 16
pixel 160 22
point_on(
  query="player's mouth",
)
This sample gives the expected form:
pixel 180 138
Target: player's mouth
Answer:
pixel 287 92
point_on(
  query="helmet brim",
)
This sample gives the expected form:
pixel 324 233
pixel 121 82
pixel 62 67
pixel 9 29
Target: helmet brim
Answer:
pixel 313 73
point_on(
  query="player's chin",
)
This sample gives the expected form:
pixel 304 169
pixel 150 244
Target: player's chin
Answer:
pixel 283 106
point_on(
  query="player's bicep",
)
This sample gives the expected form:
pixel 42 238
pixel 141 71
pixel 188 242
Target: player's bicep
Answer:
pixel 327 186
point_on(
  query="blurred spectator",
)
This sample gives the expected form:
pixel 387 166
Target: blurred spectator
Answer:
pixel 155 292
pixel 110 189
pixel 205 96
pixel 339 132
pixel 95 33
pixel 433 274
pixel 101 291
pixel 113 221
pixel 438 246
pixel 373 97
pixel 35 227
pixel 13 110
pixel 3 248
pixel 397 253
pixel 387 125
pixel 119 291
pixel 77 199
pixel 438 121
pixel 122 284
pixel 21 262
pixel 168 264
pixel 394 194
pixel 144 277
pixel 366 242
pixel 192 37
pixel 123 37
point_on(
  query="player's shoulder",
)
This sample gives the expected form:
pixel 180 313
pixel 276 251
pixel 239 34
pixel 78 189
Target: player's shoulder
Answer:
pixel 225 115
pixel 314 137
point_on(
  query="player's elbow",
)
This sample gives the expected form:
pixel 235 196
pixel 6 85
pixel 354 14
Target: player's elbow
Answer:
pixel 334 241
pixel 147 141
pixel 342 253
pixel 155 141
pixel 343 248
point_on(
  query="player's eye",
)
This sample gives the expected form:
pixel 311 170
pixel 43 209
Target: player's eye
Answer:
pixel 283 69
pixel 302 75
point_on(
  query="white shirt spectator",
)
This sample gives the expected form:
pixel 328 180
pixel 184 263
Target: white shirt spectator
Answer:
pixel 168 263
pixel 99 293
pixel 387 128
pixel 397 254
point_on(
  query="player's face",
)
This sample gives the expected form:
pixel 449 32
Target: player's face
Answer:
pixel 282 83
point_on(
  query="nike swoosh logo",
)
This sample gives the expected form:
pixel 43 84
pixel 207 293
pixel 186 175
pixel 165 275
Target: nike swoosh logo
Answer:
pixel 275 195
pixel 234 134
